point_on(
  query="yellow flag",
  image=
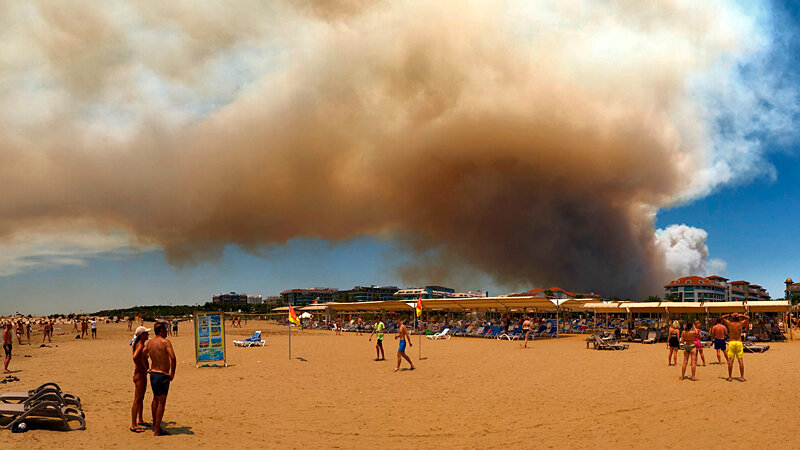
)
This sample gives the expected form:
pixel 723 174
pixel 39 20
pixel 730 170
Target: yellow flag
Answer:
pixel 292 316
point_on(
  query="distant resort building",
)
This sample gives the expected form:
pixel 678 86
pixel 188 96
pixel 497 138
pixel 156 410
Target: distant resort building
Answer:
pixel 304 297
pixel 792 289
pixel 553 292
pixel 431 292
pixel 370 293
pixel 234 299
pixel 713 289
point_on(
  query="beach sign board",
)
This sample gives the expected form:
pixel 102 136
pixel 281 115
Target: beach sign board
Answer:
pixel 209 338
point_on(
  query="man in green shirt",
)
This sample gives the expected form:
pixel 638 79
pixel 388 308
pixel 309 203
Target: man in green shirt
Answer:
pixel 378 328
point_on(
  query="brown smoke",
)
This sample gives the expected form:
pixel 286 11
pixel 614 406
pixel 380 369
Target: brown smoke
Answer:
pixel 501 146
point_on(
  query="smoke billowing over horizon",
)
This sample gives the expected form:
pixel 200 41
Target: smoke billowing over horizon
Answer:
pixel 532 143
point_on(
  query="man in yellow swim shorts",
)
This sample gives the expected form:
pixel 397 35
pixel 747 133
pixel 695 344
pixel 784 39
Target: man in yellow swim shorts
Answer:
pixel 735 347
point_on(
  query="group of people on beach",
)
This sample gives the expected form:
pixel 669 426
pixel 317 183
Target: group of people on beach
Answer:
pixel 688 340
pixel 379 329
pixel 154 358
pixel 85 324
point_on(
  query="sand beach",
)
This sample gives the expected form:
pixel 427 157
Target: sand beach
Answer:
pixel 466 393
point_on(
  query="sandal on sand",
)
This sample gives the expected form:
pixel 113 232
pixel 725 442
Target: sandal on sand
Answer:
pixel 137 429
pixel 145 424
pixel 394 370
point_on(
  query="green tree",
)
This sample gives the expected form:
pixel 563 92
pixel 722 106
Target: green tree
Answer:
pixel 653 298
pixel 795 299
pixel 548 293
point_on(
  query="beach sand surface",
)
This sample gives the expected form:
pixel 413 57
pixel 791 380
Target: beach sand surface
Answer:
pixel 465 393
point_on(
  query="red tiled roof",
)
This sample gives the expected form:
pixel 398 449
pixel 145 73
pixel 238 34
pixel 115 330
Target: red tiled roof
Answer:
pixel 692 281
pixel 755 286
pixel 717 277
pixel 739 282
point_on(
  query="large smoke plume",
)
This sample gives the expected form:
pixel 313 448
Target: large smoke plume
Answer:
pixel 532 141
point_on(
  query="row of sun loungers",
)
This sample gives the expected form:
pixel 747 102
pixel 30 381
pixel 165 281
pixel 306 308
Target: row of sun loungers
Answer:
pixel 45 402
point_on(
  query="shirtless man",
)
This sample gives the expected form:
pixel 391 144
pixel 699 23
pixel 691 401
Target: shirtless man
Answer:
pixel 404 337
pixel 359 326
pixel 526 328
pixel 379 329
pixel 140 369
pixel 162 372
pixel 8 343
pixel 735 348
pixel 718 332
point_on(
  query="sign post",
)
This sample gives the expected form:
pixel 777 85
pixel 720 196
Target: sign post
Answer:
pixel 209 339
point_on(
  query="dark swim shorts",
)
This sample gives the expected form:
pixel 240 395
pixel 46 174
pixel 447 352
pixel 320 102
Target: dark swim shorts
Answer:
pixel 380 342
pixel 7 349
pixel 160 382
pixel 402 347
pixel 719 344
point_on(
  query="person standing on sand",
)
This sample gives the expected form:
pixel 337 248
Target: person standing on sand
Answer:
pixel 735 347
pixel 526 328
pixel 673 343
pixel 45 331
pixel 20 329
pixel 94 327
pixel 140 369
pixel 404 337
pixel 28 331
pixel 378 328
pixel 718 332
pixel 130 323
pixel 8 344
pixel 162 372
pixel 689 350
pixel 359 326
pixel 84 327
pixel 698 343
pixel 175 327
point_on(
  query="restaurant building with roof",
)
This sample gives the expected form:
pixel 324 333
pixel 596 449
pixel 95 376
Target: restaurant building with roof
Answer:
pixel 713 288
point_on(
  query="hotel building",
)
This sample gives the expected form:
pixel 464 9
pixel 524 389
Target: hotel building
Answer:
pixel 713 289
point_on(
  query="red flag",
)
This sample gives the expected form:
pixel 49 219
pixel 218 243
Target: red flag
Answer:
pixel 316 300
pixel 292 316
pixel 419 306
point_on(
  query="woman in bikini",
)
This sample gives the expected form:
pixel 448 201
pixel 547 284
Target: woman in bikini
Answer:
pixel 698 344
pixel 689 350
pixel 139 379
pixel 673 343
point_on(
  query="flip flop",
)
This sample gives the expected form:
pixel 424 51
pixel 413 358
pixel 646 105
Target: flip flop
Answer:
pixel 145 424
pixel 137 430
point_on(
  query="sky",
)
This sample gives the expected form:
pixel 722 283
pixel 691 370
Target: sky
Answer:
pixel 154 154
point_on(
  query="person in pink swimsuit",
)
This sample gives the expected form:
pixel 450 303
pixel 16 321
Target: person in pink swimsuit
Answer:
pixel 697 343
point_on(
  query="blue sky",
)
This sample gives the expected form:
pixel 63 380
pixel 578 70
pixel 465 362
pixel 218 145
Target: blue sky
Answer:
pixel 751 221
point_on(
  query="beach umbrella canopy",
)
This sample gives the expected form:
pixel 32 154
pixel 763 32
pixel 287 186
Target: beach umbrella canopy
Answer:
pixel 305 315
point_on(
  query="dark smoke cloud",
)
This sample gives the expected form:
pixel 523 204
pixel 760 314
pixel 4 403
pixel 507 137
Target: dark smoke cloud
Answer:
pixel 530 143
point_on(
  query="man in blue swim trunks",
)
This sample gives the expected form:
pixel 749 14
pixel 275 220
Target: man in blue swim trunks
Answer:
pixel 718 332
pixel 404 337
pixel 162 372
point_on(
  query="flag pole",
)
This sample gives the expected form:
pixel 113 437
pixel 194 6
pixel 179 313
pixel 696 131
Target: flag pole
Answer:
pixel 290 339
